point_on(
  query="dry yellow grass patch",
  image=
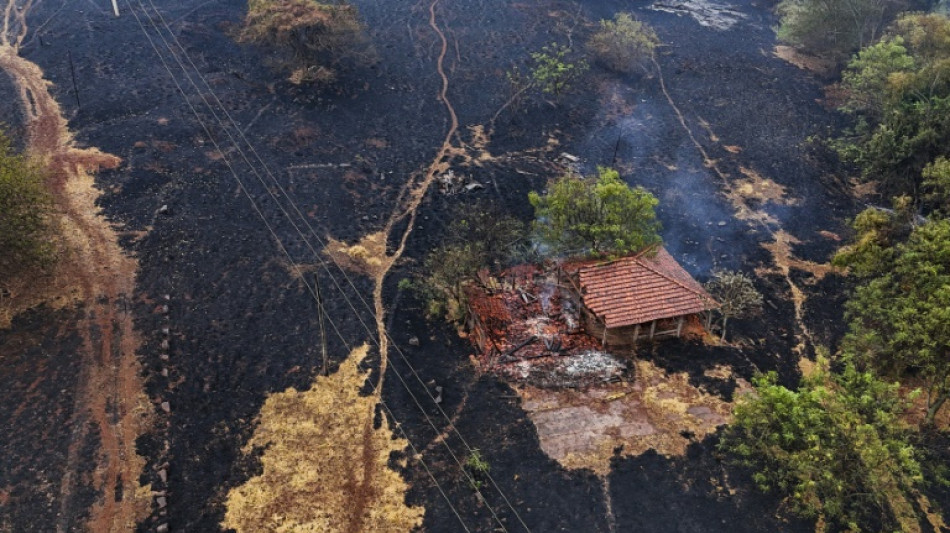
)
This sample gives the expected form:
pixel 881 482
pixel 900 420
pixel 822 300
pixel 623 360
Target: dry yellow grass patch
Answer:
pixel 804 61
pixel 325 466
pixel 368 256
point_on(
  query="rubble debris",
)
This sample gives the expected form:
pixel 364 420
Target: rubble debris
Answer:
pixel 527 330
pixel 452 183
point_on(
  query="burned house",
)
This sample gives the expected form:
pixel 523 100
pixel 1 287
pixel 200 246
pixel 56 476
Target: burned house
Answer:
pixel 576 311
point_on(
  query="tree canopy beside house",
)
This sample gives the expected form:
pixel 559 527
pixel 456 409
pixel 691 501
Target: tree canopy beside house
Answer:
pixel 835 448
pixel 595 215
pixel 736 295
pixel 480 236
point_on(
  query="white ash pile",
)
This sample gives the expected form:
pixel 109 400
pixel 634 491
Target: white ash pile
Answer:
pixel 588 368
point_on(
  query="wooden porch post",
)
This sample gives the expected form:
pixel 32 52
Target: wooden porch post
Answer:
pixel 636 333
pixel 652 329
pixel 679 327
pixel 708 320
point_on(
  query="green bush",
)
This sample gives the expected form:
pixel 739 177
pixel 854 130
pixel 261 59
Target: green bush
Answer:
pixel 623 44
pixel 834 28
pixel 835 447
pixel 898 91
pixel 26 207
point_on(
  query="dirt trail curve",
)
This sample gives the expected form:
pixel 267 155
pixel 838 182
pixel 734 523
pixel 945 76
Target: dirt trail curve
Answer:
pixel 411 197
pixel 407 205
pixel 110 393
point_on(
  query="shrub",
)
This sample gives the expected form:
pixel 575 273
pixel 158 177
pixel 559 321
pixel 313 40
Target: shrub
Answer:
pixel 314 38
pixel 837 28
pixel 26 207
pixel 623 44
pixel 479 237
pixel 737 295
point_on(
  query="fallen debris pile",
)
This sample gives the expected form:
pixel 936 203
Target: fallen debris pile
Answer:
pixel 527 330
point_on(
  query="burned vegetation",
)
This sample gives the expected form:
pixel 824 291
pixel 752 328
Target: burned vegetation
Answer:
pixel 727 312
pixel 313 40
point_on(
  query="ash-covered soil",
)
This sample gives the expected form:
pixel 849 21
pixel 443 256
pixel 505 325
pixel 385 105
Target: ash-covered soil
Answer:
pixel 242 326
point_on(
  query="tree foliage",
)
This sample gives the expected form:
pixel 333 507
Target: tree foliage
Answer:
pixel 26 208
pixel 597 215
pixel 315 38
pixel 899 315
pixel 736 294
pixel 479 237
pixel 835 447
pixel 834 28
pixel 623 44
pixel 550 71
pixel 898 91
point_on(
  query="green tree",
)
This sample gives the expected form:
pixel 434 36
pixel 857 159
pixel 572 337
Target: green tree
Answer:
pixel 313 38
pixel 26 208
pixel 736 294
pixel 595 215
pixel 553 72
pixel 899 315
pixel 937 187
pixel 898 91
pixel 479 237
pixel 623 44
pixel 834 28
pixel 835 447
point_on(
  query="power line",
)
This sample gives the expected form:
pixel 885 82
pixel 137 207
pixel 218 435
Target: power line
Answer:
pixel 207 131
pixel 322 244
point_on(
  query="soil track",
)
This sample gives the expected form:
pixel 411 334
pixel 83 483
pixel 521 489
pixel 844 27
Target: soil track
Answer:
pixel 109 390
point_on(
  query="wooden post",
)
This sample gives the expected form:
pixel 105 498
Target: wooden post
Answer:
pixel 72 72
pixel 679 327
pixel 636 334
pixel 323 332
pixel 652 329
pixel 708 320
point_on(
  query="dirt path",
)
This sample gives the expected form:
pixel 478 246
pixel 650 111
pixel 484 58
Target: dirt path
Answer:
pixel 410 198
pixel 110 392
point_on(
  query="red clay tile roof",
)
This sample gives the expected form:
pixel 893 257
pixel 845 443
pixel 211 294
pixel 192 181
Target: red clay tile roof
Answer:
pixel 641 288
pixel 487 306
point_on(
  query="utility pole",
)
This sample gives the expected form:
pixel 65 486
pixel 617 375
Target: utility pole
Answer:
pixel 72 71
pixel 322 321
